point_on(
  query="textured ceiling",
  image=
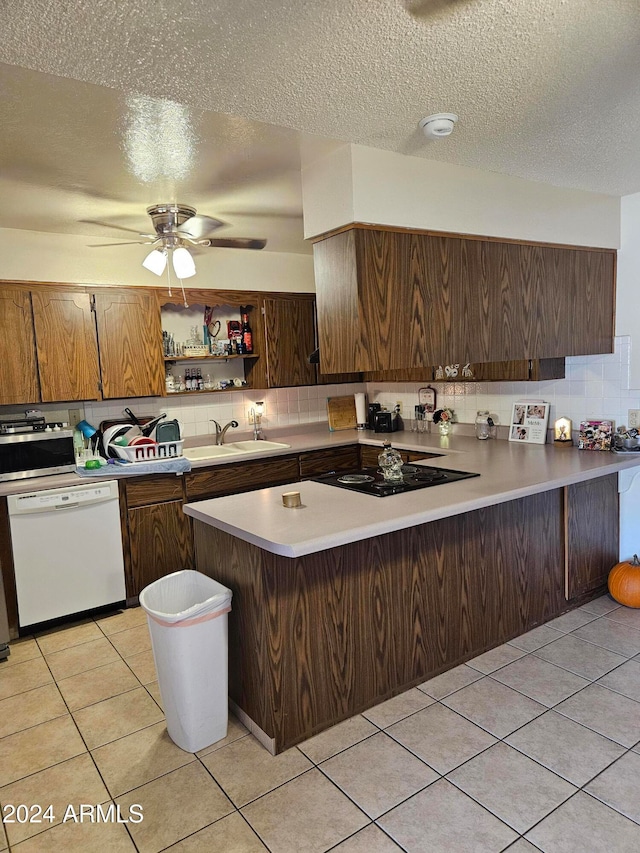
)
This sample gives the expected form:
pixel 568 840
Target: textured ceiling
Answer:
pixel 545 90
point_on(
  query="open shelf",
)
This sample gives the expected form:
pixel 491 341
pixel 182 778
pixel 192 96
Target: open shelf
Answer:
pixel 174 358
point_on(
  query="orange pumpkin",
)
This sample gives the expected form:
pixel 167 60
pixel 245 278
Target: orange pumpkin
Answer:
pixel 624 582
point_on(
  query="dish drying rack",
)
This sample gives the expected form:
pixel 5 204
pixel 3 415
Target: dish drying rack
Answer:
pixel 149 452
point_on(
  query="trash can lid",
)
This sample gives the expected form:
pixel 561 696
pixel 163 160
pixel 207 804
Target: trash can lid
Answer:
pixel 184 595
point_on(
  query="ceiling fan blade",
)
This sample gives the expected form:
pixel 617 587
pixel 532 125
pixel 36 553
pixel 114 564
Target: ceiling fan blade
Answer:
pixel 200 227
pixel 128 243
pixel 236 243
pixel 109 225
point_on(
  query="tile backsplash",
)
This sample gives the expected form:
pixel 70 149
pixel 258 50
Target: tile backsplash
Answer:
pixel 595 386
pixel 282 407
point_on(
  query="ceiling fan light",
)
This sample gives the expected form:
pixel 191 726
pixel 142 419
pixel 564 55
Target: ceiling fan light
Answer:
pixel 183 263
pixel 155 261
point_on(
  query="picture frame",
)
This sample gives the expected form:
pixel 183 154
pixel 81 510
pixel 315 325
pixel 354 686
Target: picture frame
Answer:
pixel 529 419
pixel 596 434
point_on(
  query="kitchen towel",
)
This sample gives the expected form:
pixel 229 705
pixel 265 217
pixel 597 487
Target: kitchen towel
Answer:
pixel 155 466
pixel 361 409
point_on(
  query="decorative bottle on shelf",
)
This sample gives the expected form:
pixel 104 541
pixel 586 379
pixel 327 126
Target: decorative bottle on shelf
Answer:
pixel 390 463
pixel 200 380
pixel 247 334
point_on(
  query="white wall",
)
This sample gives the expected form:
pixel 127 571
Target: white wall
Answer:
pixel 40 256
pixel 328 191
pixel 393 189
pixel 628 290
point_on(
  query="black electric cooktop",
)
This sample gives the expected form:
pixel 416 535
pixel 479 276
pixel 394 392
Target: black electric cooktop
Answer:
pixel 370 481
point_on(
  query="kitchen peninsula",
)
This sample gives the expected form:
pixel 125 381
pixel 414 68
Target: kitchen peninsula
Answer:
pixel 351 599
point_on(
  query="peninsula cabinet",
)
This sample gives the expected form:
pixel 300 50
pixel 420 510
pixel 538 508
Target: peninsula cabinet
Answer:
pixel 318 638
pixel 591 513
pixel 391 298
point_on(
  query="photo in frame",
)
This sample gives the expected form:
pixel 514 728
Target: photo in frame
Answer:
pixel 529 419
pixel 596 435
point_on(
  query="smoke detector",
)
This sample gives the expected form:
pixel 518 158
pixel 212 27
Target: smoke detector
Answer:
pixel 438 125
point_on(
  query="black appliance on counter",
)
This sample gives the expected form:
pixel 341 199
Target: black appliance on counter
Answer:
pixel 372 410
pixel 370 481
pixel 386 422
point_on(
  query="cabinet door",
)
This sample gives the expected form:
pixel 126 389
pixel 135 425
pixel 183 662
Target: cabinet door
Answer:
pixel 290 340
pixel 160 543
pixel 130 339
pixel 391 299
pixel 241 477
pixel 369 454
pixel 17 348
pixel 66 345
pixel 591 534
pixel 318 462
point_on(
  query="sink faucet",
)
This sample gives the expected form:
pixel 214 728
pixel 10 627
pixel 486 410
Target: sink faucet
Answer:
pixel 222 431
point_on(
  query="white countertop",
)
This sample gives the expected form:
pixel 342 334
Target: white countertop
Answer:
pixel 331 516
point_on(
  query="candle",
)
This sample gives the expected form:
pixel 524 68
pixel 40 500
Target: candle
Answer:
pixel 562 430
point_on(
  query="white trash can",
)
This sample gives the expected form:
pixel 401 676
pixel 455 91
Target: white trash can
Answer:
pixel 187 616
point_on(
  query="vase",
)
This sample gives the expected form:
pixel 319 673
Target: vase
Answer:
pixel 444 427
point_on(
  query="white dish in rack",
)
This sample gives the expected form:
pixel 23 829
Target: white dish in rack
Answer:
pixel 148 452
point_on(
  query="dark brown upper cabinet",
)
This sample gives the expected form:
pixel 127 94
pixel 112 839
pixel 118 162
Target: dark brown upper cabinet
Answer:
pixel 66 345
pixel 389 299
pixel 20 382
pixel 289 326
pixel 130 336
pixel 525 370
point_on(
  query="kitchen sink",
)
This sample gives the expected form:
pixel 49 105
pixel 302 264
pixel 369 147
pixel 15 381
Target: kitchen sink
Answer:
pixel 235 448
pixel 209 451
pixel 257 446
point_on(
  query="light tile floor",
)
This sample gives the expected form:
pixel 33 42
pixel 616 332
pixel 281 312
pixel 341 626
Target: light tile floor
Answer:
pixel 532 746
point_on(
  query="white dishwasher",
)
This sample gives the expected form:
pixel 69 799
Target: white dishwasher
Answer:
pixel 67 550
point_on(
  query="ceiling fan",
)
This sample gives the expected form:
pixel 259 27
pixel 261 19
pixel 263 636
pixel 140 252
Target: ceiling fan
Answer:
pixel 177 228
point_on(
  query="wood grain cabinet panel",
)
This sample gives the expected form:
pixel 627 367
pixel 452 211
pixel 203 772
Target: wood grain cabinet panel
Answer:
pixel 241 477
pixel 316 639
pixel 390 299
pixel 66 345
pixel 290 340
pixel 154 489
pixel 17 348
pixel 524 370
pixel 369 453
pixel 160 543
pixel 318 462
pixel 591 534
pixel 130 336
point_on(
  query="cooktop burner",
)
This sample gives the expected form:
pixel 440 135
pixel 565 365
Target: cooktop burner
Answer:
pixel 371 482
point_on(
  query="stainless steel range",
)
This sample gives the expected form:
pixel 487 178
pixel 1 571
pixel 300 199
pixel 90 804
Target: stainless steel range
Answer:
pixel 370 481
